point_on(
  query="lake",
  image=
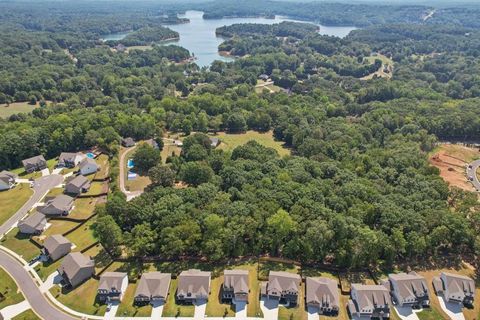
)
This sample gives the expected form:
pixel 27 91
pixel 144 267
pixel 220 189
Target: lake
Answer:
pixel 198 36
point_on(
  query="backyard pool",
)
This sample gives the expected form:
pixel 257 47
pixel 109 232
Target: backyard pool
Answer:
pixel 130 163
pixel 90 155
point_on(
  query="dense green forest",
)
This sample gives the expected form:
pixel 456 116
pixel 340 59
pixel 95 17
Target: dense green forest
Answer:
pixel 357 190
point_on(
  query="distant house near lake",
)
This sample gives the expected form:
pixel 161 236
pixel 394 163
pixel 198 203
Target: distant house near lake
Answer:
pixel 153 287
pixel 193 286
pixel 33 164
pixel 7 180
pixel 58 206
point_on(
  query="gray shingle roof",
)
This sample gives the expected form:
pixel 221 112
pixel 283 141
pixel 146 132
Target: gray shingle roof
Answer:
pixel 236 280
pixel 409 286
pixel 33 160
pixel 61 202
pixel 86 162
pixel 53 242
pixel 8 176
pixel 194 283
pixel 459 284
pixel 110 280
pixel 78 181
pixel 153 284
pixel 73 262
pixel 369 295
pixel 33 220
pixel 322 291
pixel 281 281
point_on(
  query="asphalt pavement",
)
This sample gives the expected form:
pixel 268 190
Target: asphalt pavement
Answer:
pixel 40 187
pixel 472 174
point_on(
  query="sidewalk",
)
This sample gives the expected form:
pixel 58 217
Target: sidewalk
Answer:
pixel 14 310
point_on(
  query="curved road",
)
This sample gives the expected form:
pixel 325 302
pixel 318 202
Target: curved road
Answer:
pixel 472 174
pixel 40 187
pixel 27 285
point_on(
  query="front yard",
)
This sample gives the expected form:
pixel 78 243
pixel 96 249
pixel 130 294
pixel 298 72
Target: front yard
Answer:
pixel 8 290
pixel 82 298
pixel 13 199
pixel 127 307
pixel 20 244
pixel 171 309
pixel 215 307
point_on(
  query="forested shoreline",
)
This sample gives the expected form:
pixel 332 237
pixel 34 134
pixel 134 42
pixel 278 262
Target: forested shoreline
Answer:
pixel 356 191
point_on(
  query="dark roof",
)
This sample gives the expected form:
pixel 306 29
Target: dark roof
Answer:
pixel 73 262
pixel 33 160
pixel 53 242
pixel 33 220
pixel 78 181
pixel 7 176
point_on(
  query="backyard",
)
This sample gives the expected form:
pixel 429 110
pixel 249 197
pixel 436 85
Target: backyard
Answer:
pixel 20 244
pixel 83 208
pixel 139 183
pixel 231 141
pixel 215 307
pixel 13 199
pixel 83 236
pixel 8 290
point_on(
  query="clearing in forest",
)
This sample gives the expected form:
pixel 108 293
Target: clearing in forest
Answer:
pixel 17 107
pixel 451 160
pixel 232 140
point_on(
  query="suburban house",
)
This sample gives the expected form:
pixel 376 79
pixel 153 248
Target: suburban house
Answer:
pixel 371 301
pixel 282 286
pixel 128 142
pixel 76 268
pixel 455 288
pixel 33 164
pixel 322 294
pixel 235 285
pixel 58 206
pixel 34 224
pixel 153 287
pixel 112 286
pixel 7 180
pixel 409 289
pixel 56 246
pixel 88 166
pixel 263 77
pixel 77 185
pixel 69 159
pixel 214 142
pixel 193 286
pixel 152 143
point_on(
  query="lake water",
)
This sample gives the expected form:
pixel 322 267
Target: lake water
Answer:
pixel 198 36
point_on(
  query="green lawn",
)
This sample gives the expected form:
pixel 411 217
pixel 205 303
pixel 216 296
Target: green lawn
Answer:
pixel 58 227
pixel 83 208
pixel 16 107
pixel 96 188
pixel 140 182
pixel 54 192
pixel 171 309
pixel 168 151
pixel 128 309
pixel 13 199
pixel 214 306
pixel 100 256
pixel 45 269
pixel 81 298
pixel 103 162
pixel 298 312
pixel 20 244
pixel 231 141
pixel 429 314
pixel 83 236
pixel 9 290
pixel 27 315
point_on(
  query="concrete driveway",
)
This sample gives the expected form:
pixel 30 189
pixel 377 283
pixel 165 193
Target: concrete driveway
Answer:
pixel 40 187
pixel 453 310
pixel 406 313
pixel 472 174
pixel 157 310
pixel 113 311
pixel 240 309
pixel 312 313
pixel 269 308
pixel 31 291
pixel 200 308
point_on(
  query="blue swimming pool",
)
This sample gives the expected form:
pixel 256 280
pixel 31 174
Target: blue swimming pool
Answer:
pixel 90 155
pixel 130 163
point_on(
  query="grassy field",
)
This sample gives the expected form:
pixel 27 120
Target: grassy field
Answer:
pixel 430 314
pixel 128 309
pixel 45 269
pixel 100 256
pixel 13 199
pixel 20 244
pixel 140 182
pixel 83 236
pixel 103 162
pixel 9 290
pixel 84 208
pixel 215 308
pixel 82 298
pixel 96 188
pixel 58 227
pixel 231 141
pixel 171 309
pixel 54 192
pixel 27 315
pixel 168 150
pixel 16 107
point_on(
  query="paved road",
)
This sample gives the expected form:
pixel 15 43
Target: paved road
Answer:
pixel 129 194
pixel 472 174
pixel 40 187
pixel 27 285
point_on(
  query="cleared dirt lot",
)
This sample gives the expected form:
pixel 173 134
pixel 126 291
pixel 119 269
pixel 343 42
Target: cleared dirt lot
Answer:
pixel 451 159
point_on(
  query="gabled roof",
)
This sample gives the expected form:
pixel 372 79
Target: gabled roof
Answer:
pixel 371 295
pixel 33 160
pixel 61 202
pixel 78 181
pixel 110 280
pixel 87 161
pixel 7 176
pixel 55 241
pixel 409 285
pixel 193 283
pixel 458 284
pixel 33 220
pixel 74 262
pixel 153 284
pixel 236 280
pixel 67 156
pixel 323 291
pixel 283 281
